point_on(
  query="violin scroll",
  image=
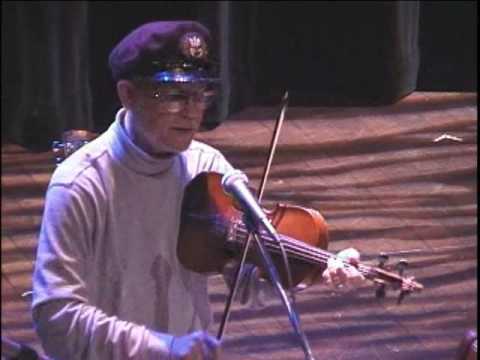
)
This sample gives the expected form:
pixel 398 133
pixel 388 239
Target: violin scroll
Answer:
pixel 381 277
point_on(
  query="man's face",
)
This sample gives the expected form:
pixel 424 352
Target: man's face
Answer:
pixel 167 116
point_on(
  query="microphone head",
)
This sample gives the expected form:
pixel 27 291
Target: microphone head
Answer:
pixel 232 177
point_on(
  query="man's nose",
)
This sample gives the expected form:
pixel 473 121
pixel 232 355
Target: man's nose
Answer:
pixel 192 108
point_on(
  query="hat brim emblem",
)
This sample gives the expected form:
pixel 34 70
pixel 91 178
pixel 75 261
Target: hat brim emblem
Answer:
pixel 193 45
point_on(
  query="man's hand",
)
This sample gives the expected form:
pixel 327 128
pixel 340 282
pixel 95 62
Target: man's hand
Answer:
pixel 195 346
pixel 338 275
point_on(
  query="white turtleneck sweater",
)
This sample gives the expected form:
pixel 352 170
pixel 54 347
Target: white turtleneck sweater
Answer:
pixel 107 283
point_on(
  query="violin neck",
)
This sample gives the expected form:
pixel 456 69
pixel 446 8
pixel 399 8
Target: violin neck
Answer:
pixel 295 249
pixel 306 253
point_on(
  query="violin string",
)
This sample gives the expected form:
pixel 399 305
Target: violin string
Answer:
pixel 302 254
pixel 299 250
pixel 306 256
pixel 305 253
pixel 314 255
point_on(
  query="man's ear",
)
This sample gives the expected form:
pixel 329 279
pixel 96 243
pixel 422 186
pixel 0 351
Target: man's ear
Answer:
pixel 126 93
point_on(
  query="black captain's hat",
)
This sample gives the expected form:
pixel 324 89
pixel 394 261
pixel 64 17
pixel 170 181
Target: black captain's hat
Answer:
pixel 165 52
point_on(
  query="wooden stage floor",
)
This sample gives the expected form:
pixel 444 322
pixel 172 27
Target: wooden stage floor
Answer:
pixel 384 179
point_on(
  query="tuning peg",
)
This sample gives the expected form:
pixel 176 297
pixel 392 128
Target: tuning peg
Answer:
pixel 401 266
pixel 382 259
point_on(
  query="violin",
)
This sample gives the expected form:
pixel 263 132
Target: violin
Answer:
pixel 213 232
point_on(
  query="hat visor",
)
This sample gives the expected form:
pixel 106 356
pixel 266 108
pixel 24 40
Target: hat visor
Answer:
pixel 197 76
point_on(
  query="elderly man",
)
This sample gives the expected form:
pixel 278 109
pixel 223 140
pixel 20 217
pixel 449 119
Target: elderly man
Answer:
pixel 107 281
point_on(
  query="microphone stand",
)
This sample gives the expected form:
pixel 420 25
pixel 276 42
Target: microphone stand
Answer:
pixel 275 281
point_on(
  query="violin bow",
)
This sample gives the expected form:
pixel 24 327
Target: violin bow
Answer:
pixel 263 182
pixel 273 146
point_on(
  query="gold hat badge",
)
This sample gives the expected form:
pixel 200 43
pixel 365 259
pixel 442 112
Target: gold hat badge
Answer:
pixel 193 45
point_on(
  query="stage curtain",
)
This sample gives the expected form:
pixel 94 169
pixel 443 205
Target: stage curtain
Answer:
pixel 56 77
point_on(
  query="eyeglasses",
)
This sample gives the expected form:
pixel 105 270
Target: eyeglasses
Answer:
pixel 176 98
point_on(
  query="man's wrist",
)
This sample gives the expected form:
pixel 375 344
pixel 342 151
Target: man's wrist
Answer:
pixel 160 345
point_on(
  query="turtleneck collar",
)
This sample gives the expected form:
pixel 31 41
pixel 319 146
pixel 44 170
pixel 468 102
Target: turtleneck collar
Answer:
pixel 130 155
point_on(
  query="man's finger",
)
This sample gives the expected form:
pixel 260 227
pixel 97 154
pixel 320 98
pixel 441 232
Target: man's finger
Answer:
pixel 351 255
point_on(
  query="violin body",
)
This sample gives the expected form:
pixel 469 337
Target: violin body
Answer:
pixel 212 231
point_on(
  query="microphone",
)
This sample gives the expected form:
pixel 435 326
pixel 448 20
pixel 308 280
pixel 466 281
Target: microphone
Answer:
pixel 235 184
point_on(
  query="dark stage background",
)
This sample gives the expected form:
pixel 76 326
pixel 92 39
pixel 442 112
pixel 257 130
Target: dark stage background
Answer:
pixel 54 55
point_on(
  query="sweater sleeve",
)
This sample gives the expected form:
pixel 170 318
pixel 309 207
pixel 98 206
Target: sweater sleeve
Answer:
pixel 68 325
